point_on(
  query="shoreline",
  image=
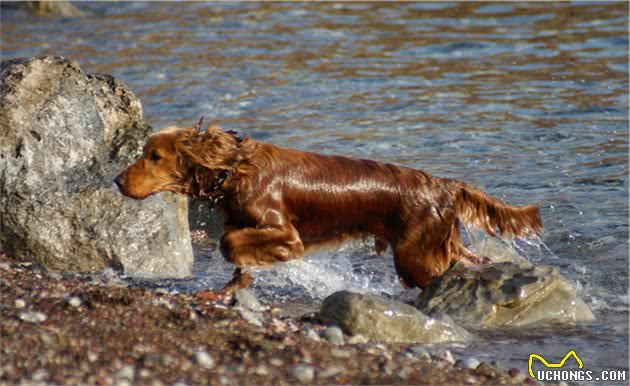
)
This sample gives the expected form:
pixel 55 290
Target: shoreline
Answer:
pixel 90 329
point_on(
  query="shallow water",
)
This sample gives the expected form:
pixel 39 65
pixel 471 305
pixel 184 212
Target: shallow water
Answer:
pixel 527 101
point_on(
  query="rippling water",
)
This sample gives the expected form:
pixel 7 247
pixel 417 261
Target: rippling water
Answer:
pixel 527 100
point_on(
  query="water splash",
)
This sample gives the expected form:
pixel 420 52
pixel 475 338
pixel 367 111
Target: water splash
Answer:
pixel 352 267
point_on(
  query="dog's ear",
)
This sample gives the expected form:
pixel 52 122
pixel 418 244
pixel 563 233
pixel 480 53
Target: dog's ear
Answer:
pixel 212 148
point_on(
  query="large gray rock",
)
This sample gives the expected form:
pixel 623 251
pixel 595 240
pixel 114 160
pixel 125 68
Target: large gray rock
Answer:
pixel 64 136
pixel 387 320
pixel 504 294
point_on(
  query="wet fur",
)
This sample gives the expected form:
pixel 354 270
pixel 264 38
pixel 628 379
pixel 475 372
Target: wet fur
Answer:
pixel 280 203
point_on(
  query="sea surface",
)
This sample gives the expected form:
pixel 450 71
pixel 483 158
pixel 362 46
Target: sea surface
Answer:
pixel 528 101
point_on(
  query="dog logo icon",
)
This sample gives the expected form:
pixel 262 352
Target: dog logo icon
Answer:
pixel 552 365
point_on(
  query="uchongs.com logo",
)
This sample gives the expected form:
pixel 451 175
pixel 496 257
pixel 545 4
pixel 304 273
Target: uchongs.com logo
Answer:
pixel 566 370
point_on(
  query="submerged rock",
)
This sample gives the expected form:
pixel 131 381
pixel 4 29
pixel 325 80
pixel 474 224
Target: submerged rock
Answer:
pixel 387 320
pixel 503 294
pixel 64 136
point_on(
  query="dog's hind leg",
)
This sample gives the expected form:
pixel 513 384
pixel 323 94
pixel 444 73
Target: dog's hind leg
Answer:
pixel 425 249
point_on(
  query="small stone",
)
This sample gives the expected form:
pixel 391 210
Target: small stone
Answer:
pixel 33 317
pixel 420 352
pixel 54 275
pixel 126 372
pixel 47 340
pixel 334 335
pixel 180 383
pixel 144 373
pixel 251 317
pixel 330 372
pixel 5 266
pixel 39 375
pixel 74 301
pixel 92 356
pixel 444 355
pixel 244 298
pixel 204 359
pixel 261 370
pixel 311 334
pixel 276 362
pixel 402 375
pixel 467 363
pixel 358 339
pixel 123 382
pixel 304 374
pixel 487 369
pixel 471 380
pixel 389 367
pixel 340 353
pixel 19 303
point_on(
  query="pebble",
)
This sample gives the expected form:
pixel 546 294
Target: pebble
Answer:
pixel 39 375
pixel 5 266
pixel 276 362
pixel 74 301
pixel 244 298
pixel 311 334
pixel 340 353
pixel 334 335
pixel 420 352
pixel 445 355
pixel 251 317
pixel 468 363
pixel 126 372
pixel 330 372
pixel 92 356
pixel 304 374
pixel 389 367
pixel 261 370
pixel 402 375
pixel 204 359
pixel 19 303
pixel 358 339
pixel 33 317
pixel 487 369
pixel 54 275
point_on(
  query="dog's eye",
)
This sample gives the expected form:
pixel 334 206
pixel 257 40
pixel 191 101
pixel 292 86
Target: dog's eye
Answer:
pixel 155 156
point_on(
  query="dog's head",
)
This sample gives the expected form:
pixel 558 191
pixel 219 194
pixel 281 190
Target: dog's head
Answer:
pixel 182 160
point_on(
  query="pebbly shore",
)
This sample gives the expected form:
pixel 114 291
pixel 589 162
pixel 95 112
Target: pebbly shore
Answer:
pixel 96 329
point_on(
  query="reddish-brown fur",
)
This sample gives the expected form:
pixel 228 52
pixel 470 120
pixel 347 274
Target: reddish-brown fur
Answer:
pixel 279 203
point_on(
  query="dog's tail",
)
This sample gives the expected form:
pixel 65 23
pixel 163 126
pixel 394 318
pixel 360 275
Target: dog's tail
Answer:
pixel 474 207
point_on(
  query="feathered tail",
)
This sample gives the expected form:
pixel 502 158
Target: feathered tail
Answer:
pixel 474 207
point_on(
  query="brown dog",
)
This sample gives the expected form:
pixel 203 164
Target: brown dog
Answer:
pixel 279 203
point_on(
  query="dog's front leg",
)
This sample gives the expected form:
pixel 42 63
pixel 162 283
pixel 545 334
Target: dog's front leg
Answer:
pixel 250 247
